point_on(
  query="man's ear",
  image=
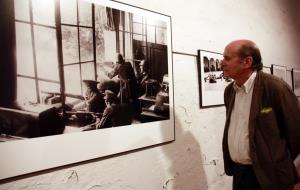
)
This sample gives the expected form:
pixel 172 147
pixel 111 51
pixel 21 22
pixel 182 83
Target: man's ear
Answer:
pixel 248 61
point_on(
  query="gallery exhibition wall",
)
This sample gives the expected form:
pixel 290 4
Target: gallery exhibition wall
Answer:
pixel 194 160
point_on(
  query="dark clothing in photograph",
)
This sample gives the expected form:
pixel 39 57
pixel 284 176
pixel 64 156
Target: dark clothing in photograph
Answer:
pixel 114 116
pixel 95 102
pixel 128 89
pixel 128 93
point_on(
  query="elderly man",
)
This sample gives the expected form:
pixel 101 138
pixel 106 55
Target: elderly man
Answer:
pixel 262 129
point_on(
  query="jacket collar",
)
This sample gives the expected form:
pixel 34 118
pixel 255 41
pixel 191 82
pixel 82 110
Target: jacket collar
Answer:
pixel 246 87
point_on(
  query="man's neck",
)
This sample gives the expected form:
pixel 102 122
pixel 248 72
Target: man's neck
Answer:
pixel 244 77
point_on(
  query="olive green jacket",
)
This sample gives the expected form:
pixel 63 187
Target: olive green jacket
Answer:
pixel 274 132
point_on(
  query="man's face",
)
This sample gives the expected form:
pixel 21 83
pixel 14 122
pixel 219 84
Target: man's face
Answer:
pixel 105 99
pixel 141 65
pixel 232 64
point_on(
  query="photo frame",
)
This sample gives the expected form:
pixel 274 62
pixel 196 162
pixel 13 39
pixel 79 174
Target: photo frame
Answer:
pixel 211 80
pixel 289 78
pixel 296 81
pixel 279 71
pixel 78 50
pixel 266 69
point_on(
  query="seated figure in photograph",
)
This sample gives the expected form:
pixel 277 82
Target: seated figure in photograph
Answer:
pixel 114 114
pixel 94 101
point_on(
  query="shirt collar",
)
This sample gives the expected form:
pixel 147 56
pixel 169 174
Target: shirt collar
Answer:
pixel 247 85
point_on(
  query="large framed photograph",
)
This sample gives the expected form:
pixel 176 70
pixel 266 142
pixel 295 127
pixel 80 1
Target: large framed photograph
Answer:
pixel 296 81
pixel 279 71
pixel 90 78
pixel 211 80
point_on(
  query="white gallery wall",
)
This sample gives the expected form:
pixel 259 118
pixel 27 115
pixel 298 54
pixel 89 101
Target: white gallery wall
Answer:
pixel 194 160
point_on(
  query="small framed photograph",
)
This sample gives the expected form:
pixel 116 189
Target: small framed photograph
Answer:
pixel 279 71
pixel 296 81
pixel 289 78
pixel 211 80
pixel 266 69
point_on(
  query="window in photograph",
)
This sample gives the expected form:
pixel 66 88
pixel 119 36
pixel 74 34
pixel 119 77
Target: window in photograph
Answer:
pixel 36 43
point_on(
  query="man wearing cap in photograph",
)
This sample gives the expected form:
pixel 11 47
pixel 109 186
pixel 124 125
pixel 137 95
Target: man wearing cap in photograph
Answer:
pixel 128 93
pixel 114 114
pixel 94 101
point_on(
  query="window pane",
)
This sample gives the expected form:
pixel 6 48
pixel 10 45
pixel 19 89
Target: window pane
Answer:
pixel 86 44
pixel 137 18
pixel 137 37
pixel 137 28
pixel 151 34
pixel 100 24
pixel 47 87
pixel 26 90
pixel 121 41
pixel 22 10
pixel 110 45
pixel 100 16
pixel 24 50
pixel 72 79
pixel 68 12
pixel 88 71
pixel 85 13
pixel 161 37
pixel 46 53
pixel 43 12
pixel 150 21
pixel 121 24
pixel 161 24
pixel 99 45
pixel 128 46
pixel 144 30
pixel 70 44
pixel 127 22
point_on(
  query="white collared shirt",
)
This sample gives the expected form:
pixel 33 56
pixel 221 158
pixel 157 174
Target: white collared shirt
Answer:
pixel 238 134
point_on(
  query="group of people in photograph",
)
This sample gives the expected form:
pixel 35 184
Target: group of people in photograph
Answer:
pixel 115 102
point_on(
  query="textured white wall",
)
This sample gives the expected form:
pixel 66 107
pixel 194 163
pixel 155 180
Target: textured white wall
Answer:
pixel 194 160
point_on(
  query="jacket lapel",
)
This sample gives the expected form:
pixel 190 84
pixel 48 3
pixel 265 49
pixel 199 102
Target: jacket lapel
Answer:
pixel 256 105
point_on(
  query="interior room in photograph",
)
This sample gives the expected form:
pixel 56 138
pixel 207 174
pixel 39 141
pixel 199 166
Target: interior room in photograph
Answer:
pixel 211 79
pixel 90 78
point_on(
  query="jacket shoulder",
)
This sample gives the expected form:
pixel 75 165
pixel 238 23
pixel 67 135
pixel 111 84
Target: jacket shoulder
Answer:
pixel 273 83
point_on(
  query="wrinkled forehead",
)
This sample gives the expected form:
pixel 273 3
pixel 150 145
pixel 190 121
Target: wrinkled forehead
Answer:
pixel 231 49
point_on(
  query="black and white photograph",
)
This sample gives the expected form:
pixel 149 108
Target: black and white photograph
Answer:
pixel 211 79
pixel 87 71
pixel 296 81
pixel 289 78
pixel 279 71
pixel 266 69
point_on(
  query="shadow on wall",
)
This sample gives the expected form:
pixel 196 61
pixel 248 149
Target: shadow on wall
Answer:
pixel 186 170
